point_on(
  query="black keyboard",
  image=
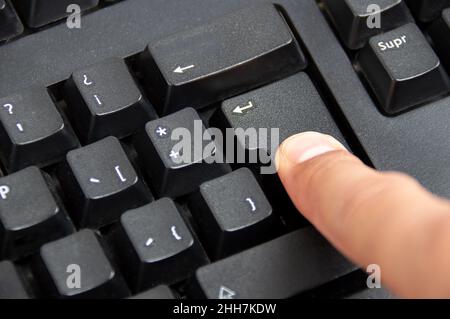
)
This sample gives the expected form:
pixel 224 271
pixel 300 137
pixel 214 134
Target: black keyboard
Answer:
pixel 94 202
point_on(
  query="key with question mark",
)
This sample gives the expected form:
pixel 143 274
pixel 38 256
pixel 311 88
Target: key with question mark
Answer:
pixel 9 107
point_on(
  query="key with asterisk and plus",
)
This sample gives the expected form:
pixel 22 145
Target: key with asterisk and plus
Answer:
pixel 174 171
pixel 162 131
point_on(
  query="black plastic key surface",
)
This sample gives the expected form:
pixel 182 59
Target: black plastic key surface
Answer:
pixel 30 215
pixel 439 31
pixel 284 108
pixel 11 284
pixel 233 54
pixel 160 292
pixel 356 20
pixel 32 131
pixel 282 268
pixel 76 266
pixel 10 24
pixel 156 246
pixel 427 10
pixel 175 167
pixel 284 105
pixel 37 13
pixel 233 213
pixel 402 69
pixel 101 183
pixel 105 100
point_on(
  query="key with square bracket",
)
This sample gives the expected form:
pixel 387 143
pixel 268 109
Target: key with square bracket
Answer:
pixel 156 246
pixel 32 131
pixel 214 61
pixel 101 183
pixel 105 100
pixel 233 213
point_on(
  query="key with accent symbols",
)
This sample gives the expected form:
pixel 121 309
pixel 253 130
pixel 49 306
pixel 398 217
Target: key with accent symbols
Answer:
pixel 32 131
pixel 358 20
pixel 175 167
pixel 156 246
pixel 30 214
pixel 105 100
pixel 233 54
pixel 402 69
pixel 233 213
pixel 77 266
pixel 101 183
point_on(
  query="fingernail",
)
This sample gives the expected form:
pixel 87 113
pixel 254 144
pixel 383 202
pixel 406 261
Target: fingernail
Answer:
pixel 305 146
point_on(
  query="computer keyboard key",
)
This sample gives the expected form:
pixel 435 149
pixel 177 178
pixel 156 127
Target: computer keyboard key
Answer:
pixel 11 284
pixel 30 215
pixel 156 246
pixel 284 106
pixel 178 164
pixel 427 10
pixel 402 69
pixel 37 13
pixel 160 292
pixel 358 20
pixel 100 183
pixel 105 100
pixel 439 31
pixel 77 266
pixel 233 213
pixel 214 61
pixel 281 268
pixel 10 24
pixel 32 131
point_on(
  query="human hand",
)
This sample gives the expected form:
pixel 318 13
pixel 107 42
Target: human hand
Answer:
pixel 372 217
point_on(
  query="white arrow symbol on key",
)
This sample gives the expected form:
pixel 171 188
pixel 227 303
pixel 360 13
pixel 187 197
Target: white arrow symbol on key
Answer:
pixel 240 110
pixel 226 293
pixel 181 70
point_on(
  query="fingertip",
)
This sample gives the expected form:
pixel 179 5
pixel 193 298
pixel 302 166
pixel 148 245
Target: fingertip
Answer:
pixel 305 146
